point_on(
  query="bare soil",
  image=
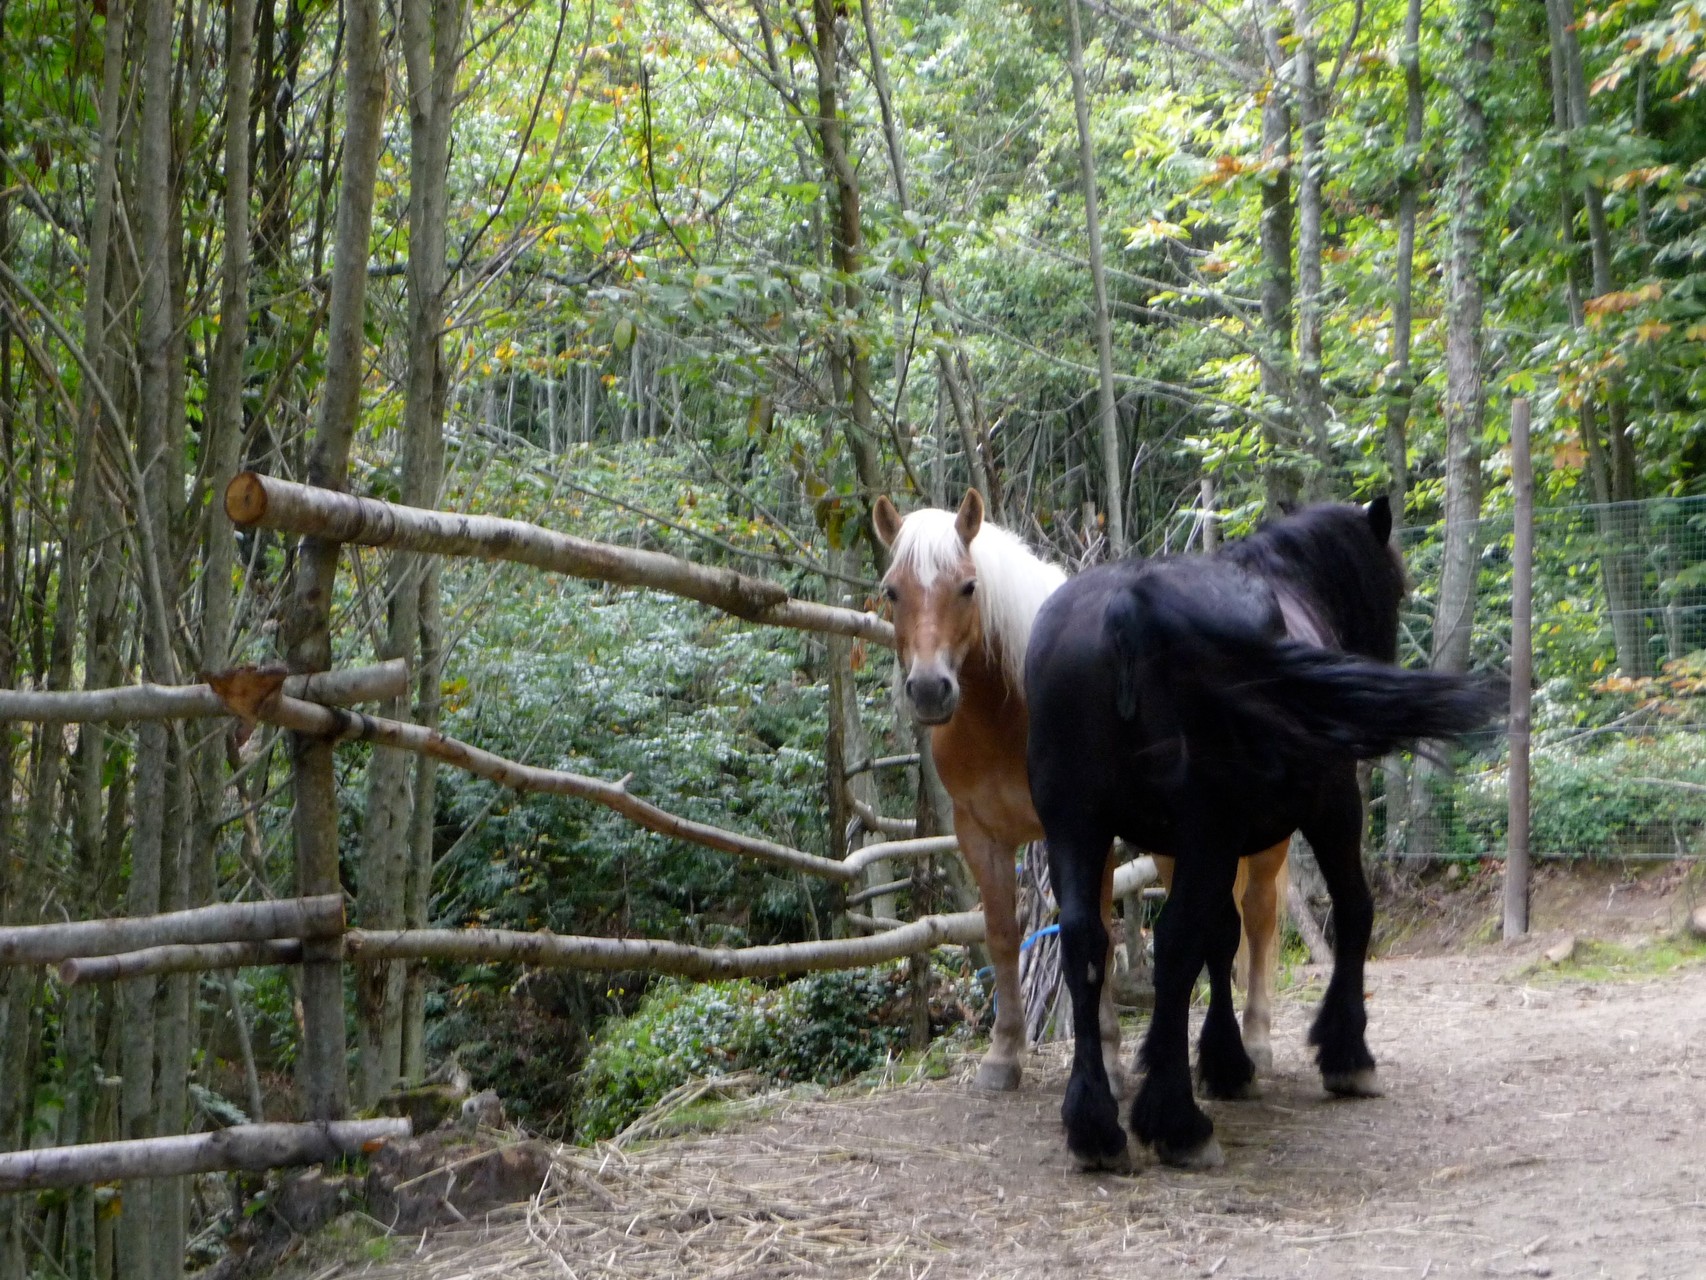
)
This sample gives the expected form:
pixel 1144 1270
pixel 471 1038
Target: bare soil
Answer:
pixel 1536 1123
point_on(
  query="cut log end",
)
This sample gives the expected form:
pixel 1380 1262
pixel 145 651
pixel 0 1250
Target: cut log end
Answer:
pixel 245 499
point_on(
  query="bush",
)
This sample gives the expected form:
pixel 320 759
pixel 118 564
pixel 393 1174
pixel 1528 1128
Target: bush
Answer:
pixel 824 1029
pixel 1621 799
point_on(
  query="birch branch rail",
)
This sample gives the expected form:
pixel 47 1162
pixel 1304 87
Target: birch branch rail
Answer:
pixel 554 951
pixel 256 501
pixel 923 847
pixel 567 951
pixel 195 701
pixel 181 958
pixel 321 917
pixel 349 726
pixel 246 1146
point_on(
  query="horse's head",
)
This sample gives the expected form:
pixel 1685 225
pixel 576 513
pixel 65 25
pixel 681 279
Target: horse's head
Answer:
pixel 931 587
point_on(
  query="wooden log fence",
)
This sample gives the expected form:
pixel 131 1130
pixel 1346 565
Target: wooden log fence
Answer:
pixel 319 917
pixel 196 701
pixel 348 726
pixel 256 501
pixel 890 940
pixel 242 1147
pixel 181 958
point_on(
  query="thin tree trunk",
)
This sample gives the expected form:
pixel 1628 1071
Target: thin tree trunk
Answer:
pixel 1622 533
pixel 1282 485
pixel 1465 395
pixel 1107 414
pixel 1311 126
pixel 847 254
pixel 306 633
pixel 1409 197
pixel 432 50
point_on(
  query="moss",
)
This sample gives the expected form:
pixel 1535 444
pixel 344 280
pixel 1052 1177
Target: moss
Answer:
pixel 1595 961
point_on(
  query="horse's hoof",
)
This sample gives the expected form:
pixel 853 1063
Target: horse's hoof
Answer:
pixel 1361 1083
pixel 1205 1155
pixel 1119 1162
pixel 1261 1057
pixel 997 1077
pixel 1243 1091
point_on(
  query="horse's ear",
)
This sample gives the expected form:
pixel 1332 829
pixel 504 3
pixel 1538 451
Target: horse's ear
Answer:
pixel 970 517
pixel 1380 519
pixel 886 520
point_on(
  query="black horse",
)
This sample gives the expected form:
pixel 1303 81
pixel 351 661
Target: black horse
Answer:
pixel 1206 707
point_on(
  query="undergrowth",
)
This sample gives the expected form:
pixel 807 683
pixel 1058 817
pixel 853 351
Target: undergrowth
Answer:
pixel 826 1028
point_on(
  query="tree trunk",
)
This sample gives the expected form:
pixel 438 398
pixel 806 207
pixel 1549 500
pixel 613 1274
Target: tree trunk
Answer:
pixel 1107 415
pixel 847 254
pixel 1409 197
pixel 305 632
pixel 1282 484
pixel 432 50
pixel 1311 122
pixel 1617 471
pixel 1465 395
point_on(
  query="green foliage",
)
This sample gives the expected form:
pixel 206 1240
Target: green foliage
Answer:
pixel 1626 795
pixel 825 1028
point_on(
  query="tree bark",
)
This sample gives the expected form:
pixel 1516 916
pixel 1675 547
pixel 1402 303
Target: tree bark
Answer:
pixel 1465 395
pixel 305 718
pixel 847 239
pixel 226 922
pixel 242 1147
pixel 1403 298
pixel 432 50
pixel 263 501
pixel 305 632
pixel 130 703
pixel 1283 486
pixel 1107 412
pixel 1311 128
pixel 1614 467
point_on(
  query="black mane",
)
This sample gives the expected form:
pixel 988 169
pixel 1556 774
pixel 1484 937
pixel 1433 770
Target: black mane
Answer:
pixel 1331 558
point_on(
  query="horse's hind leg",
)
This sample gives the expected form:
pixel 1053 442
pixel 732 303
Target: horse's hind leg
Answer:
pixel 1264 877
pixel 1107 1014
pixel 1164 1113
pixel 1347 1067
pixel 991 865
pixel 1090 1113
pixel 1224 1069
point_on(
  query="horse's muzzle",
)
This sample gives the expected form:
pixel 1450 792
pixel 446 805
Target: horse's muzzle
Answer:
pixel 934 697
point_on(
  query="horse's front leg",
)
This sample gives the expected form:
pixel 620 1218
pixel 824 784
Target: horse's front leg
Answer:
pixel 1264 876
pixel 1165 1113
pixel 1090 1112
pixel 991 865
pixel 1335 834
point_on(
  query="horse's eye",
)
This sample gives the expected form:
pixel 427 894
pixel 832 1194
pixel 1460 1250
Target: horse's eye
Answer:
pixel 890 594
pixel 969 587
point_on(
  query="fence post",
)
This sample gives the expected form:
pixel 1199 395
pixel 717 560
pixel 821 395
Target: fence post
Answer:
pixel 1522 672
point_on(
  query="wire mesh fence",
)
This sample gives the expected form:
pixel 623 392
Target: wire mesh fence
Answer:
pixel 1619 748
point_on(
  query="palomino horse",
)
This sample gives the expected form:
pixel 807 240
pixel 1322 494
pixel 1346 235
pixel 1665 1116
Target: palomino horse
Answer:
pixel 1188 706
pixel 964 594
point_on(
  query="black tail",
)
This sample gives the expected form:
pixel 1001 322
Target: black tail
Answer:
pixel 1187 647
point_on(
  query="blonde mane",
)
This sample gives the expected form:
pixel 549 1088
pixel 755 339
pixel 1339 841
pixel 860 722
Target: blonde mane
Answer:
pixel 1012 581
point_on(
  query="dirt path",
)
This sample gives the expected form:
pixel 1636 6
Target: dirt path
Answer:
pixel 1530 1128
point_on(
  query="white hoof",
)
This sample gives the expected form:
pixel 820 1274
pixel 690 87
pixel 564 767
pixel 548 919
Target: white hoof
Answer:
pixel 1118 1163
pixel 1364 1083
pixel 1262 1057
pixel 1207 1156
pixel 997 1077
